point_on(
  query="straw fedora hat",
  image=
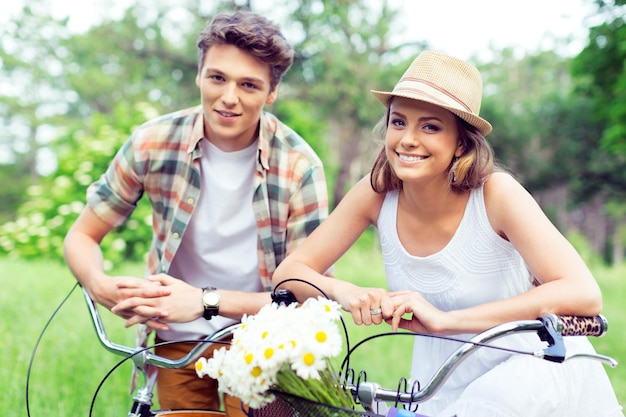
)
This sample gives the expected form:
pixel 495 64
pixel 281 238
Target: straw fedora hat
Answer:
pixel 445 81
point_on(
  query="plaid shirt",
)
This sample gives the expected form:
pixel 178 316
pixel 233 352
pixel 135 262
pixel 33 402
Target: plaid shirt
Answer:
pixel 162 160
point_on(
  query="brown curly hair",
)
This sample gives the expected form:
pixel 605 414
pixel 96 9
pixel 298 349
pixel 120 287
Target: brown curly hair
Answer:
pixel 467 172
pixel 252 33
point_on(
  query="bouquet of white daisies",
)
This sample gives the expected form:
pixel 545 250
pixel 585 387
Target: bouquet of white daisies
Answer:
pixel 285 348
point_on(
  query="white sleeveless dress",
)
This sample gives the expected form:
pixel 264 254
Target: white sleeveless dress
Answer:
pixel 478 266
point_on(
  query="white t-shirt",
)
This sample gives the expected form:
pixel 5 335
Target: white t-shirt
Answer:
pixel 219 247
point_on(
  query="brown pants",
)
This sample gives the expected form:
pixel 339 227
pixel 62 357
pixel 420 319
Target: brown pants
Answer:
pixel 182 389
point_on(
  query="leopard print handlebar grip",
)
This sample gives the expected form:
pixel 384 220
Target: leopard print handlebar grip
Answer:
pixel 583 326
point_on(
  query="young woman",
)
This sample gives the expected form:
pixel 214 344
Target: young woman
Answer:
pixel 465 247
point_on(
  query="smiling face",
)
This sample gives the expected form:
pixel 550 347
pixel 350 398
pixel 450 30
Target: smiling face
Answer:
pixel 234 87
pixel 421 141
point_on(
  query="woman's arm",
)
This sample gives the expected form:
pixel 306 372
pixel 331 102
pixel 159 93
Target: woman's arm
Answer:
pixel 567 285
pixel 356 211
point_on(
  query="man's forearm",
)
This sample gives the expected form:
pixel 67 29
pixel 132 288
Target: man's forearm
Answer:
pixel 84 259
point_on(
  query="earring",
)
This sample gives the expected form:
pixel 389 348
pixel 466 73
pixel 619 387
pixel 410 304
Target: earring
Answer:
pixel 455 164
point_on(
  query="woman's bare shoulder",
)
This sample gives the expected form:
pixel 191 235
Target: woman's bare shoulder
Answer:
pixel 506 199
pixel 500 179
pixel 502 187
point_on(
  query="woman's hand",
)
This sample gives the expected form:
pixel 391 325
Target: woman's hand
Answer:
pixel 424 317
pixel 367 305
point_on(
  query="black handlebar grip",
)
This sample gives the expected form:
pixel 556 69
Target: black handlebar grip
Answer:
pixel 584 326
pixel 283 297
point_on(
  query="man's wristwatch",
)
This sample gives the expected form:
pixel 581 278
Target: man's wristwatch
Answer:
pixel 211 302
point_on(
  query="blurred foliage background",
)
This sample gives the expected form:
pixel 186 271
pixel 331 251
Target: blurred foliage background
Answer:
pixel 69 100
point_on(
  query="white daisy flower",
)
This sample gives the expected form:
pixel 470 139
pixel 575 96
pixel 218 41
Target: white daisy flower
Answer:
pixel 286 341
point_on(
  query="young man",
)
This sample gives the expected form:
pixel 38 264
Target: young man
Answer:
pixel 233 191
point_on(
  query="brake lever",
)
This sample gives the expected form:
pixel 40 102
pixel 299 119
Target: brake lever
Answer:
pixel 551 333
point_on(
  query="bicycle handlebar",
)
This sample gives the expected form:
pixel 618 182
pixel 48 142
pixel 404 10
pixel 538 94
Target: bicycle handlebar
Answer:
pixel 144 356
pixel 550 329
pixel 595 326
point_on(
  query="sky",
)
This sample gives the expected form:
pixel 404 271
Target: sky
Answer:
pixel 462 28
pixel 468 27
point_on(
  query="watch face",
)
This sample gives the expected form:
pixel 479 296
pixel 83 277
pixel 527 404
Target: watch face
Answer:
pixel 211 298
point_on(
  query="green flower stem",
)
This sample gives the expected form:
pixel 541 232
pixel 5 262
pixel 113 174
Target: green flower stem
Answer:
pixel 324 390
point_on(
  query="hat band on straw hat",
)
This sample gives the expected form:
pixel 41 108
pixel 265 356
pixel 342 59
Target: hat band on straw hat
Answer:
pixel 423 91
pixel 407 87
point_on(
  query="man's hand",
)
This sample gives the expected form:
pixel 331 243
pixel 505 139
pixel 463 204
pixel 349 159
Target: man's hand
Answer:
pixel 163 299
pixel 110 291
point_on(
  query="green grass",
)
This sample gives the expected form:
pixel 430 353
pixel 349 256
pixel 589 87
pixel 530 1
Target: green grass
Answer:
pixel 70 363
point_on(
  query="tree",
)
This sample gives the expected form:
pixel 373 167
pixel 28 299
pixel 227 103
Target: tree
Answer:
pixel 33 100
pixel 601 78
pixel 53 204
pixel 524 99
pixel 601 73
pixel 133 60
pixel 58 78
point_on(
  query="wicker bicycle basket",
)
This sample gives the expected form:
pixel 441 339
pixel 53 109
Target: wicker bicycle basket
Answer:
pixel 287 405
